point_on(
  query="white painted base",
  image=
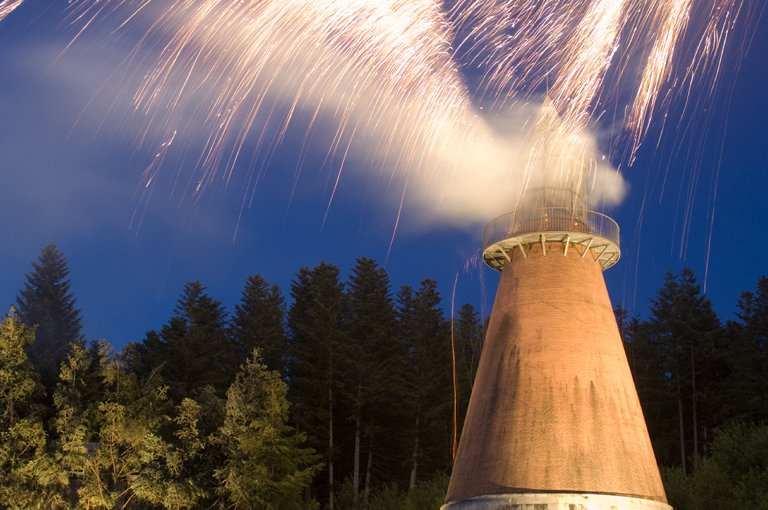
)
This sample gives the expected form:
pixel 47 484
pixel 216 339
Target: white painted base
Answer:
pixel 556 501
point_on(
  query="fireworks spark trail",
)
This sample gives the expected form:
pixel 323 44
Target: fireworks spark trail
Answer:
pixel 397 222
pixel 721 19
pixel 587 58
pixel 524 45
pixel 147 179
pixel 386 77
pixel 517 43
pixel 8 6
pixel 674 19
pixel 385 65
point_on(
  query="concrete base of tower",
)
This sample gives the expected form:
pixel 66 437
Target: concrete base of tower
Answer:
pixel 556 501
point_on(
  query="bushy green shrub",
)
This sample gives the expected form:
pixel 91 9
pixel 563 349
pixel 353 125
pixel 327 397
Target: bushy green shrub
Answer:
pixel 425 496
pixel 734 476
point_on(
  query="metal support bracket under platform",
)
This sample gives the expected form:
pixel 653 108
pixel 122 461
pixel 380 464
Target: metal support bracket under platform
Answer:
pixel 593 234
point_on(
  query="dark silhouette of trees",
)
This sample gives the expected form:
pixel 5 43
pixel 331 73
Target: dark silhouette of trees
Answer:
pixel 371 354
pixel 693 375
pixel 688 332
pixel 745 394
pixel 317 333
pixel 426 380
pixel 193 349
pixel 259 323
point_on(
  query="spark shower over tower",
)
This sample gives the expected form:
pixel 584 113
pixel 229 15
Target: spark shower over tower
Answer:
pixel 554 421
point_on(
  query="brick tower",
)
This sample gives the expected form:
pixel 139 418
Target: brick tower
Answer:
pixel 554 422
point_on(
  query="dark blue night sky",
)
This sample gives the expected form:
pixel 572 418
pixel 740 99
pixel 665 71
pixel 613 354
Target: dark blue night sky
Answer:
pixel 70 172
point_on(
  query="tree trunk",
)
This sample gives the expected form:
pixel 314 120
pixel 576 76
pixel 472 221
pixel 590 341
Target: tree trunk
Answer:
pixel 414 457
pixel 356 471
pixel 330 446
pixel 368 467
pixel 693 405
pixel 682 428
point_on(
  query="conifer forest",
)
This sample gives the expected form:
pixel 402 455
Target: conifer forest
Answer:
pixel 335 394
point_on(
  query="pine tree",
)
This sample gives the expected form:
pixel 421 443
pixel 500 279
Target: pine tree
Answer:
pixel 427 387
pixel 316 322
pixel 47 304
pixel 691 339
pixel 259 323
pixel 753 312
pixel 194 349
pixel 468 339
pixel 29 478
pixel 745 393
pixel 371 353
pixel 266 466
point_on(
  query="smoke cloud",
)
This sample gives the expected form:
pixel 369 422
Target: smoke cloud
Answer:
pixel 465 181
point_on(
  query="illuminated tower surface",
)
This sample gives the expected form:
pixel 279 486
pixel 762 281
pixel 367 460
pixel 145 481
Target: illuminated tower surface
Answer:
pixel 554 421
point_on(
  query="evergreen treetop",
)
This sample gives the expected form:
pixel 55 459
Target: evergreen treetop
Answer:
pixel 194 349
pixel 47 303
pixel 259 323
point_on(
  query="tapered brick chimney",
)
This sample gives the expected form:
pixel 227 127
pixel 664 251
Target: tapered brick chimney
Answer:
pixel 554 421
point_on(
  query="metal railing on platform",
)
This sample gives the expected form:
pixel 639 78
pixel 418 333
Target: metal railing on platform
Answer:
pixel 550 219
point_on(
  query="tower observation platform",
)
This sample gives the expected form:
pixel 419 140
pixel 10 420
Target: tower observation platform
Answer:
pixel 556 230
